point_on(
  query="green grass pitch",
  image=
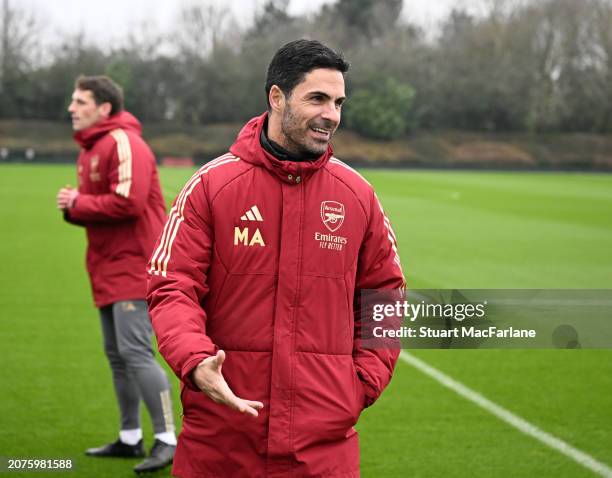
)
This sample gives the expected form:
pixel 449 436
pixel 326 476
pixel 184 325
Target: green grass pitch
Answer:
pixel 455 229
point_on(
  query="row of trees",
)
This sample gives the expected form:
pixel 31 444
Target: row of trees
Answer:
pixel 520 65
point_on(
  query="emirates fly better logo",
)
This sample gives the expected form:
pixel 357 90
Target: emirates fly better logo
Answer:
pixel 332 215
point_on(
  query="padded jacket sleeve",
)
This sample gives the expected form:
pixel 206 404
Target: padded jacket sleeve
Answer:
pixel 378 268
pixel 129 178
pixel 177 282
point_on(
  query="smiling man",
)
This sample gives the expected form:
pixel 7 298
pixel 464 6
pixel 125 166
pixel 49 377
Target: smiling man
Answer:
pixel 254 284
pixel 119 202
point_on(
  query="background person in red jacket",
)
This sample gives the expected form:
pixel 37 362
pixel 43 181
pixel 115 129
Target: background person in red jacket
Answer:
pixel 254 284
pixel 119 202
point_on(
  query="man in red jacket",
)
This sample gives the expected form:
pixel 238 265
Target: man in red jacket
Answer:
pixel 119 202
pixel 254 284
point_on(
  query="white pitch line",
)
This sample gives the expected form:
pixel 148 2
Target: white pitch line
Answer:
pixel 510 418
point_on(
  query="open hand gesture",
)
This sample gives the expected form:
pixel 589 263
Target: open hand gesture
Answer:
pixel 208 377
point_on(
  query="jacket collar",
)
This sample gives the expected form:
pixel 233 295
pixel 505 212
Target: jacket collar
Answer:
pixel 248 148
pixel 86 138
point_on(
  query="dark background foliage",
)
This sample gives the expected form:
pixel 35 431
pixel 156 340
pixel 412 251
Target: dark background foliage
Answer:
pixel 528 66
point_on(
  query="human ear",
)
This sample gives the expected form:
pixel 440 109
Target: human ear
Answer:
pixel 276 99
pixel 105 109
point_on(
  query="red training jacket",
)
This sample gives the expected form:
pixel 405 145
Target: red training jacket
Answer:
pixel 120 204
pixel 262 258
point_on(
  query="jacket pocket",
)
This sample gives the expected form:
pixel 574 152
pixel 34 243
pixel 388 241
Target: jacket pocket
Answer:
pixel 359 393
pixel 184 392
pixel 327 399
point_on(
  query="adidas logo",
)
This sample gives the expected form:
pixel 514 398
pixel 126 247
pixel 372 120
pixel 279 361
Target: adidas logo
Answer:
pixel 128 306
pixel 252 214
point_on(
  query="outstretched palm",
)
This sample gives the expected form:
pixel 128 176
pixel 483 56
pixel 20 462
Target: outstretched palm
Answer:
pixel 208 377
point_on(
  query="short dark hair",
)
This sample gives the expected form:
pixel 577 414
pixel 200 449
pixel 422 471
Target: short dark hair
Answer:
pixel 104 90
pixel 294 60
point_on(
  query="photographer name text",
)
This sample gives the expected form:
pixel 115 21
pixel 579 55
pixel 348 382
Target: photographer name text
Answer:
pixel 459 332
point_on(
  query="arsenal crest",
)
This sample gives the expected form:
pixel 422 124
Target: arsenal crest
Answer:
pixel 94 172
pixel 332 215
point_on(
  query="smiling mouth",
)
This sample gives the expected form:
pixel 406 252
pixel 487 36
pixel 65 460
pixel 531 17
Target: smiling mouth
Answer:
pixel 321 132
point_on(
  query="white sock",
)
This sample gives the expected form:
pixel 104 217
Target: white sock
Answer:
pixel 167 437
pixel 131 437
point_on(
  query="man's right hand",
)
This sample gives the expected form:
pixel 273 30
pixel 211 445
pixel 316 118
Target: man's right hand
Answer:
pixel 66 197
pixel 208 378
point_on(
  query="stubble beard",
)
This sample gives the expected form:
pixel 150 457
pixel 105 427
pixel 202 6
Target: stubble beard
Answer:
pixel 296 138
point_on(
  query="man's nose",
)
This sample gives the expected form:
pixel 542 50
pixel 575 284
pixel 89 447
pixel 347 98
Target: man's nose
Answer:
pixel 331 112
